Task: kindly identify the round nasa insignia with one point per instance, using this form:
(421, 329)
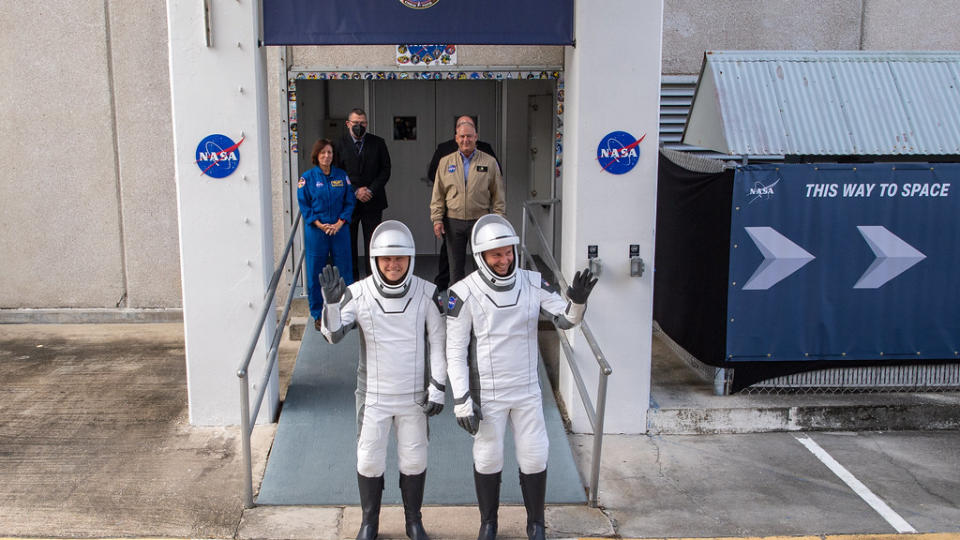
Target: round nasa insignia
(451, 168)
(618, 152)
(419, 4)
(218, 156)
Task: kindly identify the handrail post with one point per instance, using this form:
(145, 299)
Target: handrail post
(595, 414)
(598, 439)
(245, 438)
(243, 374)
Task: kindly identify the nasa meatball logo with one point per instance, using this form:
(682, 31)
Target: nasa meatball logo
(419, 4)
(619, 152)
(218, 156)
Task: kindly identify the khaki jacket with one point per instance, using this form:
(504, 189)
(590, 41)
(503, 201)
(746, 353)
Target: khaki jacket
(484, 193)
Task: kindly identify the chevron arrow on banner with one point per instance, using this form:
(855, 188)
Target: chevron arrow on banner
(781, 257)
(894, 256)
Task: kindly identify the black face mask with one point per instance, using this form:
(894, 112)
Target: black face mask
(358, 130)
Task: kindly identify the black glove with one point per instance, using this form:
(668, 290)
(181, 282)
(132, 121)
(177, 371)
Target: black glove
(471, 423)
(332, 284)
(580, 288)
(432, 408)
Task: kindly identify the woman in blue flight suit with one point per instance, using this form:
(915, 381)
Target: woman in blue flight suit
(326, 200)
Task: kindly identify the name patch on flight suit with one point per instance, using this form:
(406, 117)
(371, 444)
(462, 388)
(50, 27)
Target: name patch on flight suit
(336, 183)
(481, 168)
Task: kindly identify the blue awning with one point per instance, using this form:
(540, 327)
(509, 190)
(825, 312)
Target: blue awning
(391, 22)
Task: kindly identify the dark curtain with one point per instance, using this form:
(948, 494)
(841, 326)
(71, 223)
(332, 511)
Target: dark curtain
(692, 258)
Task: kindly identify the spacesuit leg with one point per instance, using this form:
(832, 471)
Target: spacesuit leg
(372, 440)
(532, 444)
(530, 433)
(488, 442)
(411, 426)
(488, 464)
(411, 439)
(374, 425)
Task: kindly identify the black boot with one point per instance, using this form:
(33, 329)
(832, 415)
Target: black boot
(411, 489)
(371, 492)
(534, 489)
(488, 499)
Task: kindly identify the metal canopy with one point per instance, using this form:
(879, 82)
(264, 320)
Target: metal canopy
(827, 103)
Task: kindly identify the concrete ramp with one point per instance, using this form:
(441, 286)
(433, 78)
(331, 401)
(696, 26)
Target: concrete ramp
(313, 460)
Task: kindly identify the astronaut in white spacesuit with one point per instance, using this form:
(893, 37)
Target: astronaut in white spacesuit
(402, 372)
(492, 317)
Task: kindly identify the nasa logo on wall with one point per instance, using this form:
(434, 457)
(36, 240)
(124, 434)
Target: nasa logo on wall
(618, 152)
(419, 4)
(218, 156)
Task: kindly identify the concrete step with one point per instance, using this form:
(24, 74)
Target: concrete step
(860, 412)
(300, 307)
(299, 318)
(296, 327)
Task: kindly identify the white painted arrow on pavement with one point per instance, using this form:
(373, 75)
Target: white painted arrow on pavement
(894, 256)
(781, 257)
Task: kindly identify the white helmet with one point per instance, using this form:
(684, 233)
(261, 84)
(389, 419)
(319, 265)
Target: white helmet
(490, 232)
(391, 238)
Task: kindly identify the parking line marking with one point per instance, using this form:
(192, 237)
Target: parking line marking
(857, 486)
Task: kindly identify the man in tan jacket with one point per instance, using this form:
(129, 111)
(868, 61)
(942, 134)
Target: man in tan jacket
(468, 185)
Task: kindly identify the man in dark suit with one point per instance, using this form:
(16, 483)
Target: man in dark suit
(365, 158)
(442, 280)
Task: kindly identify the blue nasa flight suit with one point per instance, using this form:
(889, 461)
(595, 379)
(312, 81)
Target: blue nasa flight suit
(326, 198)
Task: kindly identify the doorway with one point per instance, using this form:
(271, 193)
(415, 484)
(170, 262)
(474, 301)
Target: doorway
(517, 117)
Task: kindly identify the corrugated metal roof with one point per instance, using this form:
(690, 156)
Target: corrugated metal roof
(827, 103)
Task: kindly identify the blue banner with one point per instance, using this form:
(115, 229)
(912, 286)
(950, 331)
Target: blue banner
(373, 22)
(844, 262)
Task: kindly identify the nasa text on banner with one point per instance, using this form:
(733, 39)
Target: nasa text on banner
(843, 262)
(389, 22)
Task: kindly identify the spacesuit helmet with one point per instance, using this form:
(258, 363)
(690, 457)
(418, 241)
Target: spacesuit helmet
(490, 232)
(391, 238)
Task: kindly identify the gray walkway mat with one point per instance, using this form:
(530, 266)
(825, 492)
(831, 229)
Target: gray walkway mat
(314, 457)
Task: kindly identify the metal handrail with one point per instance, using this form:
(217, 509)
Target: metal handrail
(246, 427)
(595, 416)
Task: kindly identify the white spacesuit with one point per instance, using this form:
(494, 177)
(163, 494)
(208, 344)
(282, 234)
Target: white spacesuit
(401, 328)
(492, 317)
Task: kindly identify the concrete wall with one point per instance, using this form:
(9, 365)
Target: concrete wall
(141, 88)
(920, 25)
(88, 216)
(692, 26)
(60, 239)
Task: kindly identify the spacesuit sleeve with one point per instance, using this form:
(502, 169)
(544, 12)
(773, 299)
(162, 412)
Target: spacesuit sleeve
(459, 326)
(437, 337)
(338, 319)
(562, 312)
